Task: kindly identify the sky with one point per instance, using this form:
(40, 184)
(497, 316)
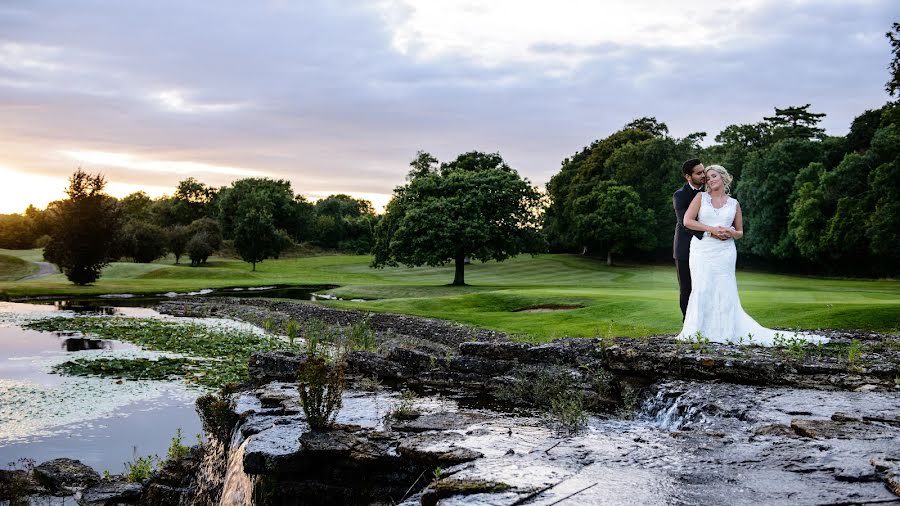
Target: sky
(338, 96)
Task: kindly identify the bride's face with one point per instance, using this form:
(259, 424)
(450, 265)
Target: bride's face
(713, 180)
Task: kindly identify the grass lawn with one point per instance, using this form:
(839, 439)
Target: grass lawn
(13, 267)
(629, 301)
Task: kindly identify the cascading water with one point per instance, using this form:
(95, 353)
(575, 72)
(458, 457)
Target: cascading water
(237, 489)
(672, 410)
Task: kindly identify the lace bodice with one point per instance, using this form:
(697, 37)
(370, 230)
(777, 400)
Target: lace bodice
(709, 215)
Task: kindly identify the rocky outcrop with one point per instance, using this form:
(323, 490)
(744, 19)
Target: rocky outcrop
(65, 476)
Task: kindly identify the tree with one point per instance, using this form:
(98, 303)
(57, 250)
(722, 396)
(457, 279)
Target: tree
(256, 237)
(210, 228)
(476, 208)
(892, 87)
(765, 195)
(144, 242)
(177, 238)
(192, 201)
(199, 249)
(344, 222)
(795, 122)
(84, 228)
(16, 232)
(422, 165)
(649, 125)
(612, 219)
(293, 214)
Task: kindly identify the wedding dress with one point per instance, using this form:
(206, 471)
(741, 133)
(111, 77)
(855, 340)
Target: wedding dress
(714, 308)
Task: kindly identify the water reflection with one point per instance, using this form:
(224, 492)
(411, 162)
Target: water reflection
(82, 344)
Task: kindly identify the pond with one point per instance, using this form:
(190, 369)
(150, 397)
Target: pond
(124, 304)
(104, 422)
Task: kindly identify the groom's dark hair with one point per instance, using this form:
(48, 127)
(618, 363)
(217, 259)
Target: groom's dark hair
(688, 167)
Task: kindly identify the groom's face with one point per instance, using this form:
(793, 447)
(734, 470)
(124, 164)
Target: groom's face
(698, 176)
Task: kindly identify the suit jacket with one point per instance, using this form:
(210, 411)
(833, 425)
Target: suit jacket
(681, 200)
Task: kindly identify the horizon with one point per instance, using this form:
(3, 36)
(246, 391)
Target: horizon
(338, 99)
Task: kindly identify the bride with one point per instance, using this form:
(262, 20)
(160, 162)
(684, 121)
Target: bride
(714, 309)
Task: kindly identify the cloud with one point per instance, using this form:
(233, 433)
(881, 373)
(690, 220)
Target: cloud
(338, 96)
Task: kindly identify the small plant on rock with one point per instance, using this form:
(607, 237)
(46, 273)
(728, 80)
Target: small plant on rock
(217, 416)
(320, 386)
(177, 450)
(854, 352)
(362, 336)
(293, 330)
(405, 408)
(140, 469)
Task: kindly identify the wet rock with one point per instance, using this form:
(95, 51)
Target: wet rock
(844, 417)
(774, 429)
(18, 483)
(173, 483)
(273, 449)
(65, 475)
(450, 487)
(110, 493)
(857, 473)
(274, 366)
(439, 422)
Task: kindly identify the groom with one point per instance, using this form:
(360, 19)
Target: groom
(695, 177)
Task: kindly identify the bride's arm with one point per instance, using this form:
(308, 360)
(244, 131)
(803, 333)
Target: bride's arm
(738, 231)
(690, 217)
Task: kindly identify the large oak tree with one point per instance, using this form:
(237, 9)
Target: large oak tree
(475, 207)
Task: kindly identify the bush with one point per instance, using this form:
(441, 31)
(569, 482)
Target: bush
(217, 416)
(199, 249)
(320, 385)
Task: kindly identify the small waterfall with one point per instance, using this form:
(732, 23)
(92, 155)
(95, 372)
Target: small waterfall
(238, 485)
(210, 476)
(672, 410)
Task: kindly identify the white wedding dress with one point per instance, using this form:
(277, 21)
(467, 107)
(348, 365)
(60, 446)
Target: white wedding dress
(714, 308)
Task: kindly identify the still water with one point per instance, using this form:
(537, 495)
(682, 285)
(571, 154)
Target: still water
(103, 422)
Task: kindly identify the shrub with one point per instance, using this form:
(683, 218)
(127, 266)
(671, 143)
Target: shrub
(217, 416)
(320, 385)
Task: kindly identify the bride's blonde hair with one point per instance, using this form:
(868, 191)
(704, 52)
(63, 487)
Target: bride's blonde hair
(726, 177)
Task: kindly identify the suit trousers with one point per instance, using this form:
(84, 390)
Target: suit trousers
(683, 268)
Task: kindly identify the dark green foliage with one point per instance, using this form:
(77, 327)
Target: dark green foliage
(84, 229)
(320, 386)
(765, 194)
(892, 87)
(217, 416)
(275, 197)
(344, 223)
(177, 238)
(210, 227)
(476, 207)
(142, 241)
(796, 122)
(16, 232)
(193, 200)
(640, 156)
(863, 129)
(256, 238)
(198, 248)
(612, 220)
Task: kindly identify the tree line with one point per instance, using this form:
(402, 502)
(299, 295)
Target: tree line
(255, 218)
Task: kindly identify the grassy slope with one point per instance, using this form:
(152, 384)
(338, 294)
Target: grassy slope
(619, 300)
(13, 268)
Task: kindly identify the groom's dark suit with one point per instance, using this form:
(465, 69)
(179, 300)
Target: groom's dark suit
(681, 247)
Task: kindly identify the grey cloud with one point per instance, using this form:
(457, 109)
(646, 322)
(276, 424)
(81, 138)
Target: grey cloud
(327, 103)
